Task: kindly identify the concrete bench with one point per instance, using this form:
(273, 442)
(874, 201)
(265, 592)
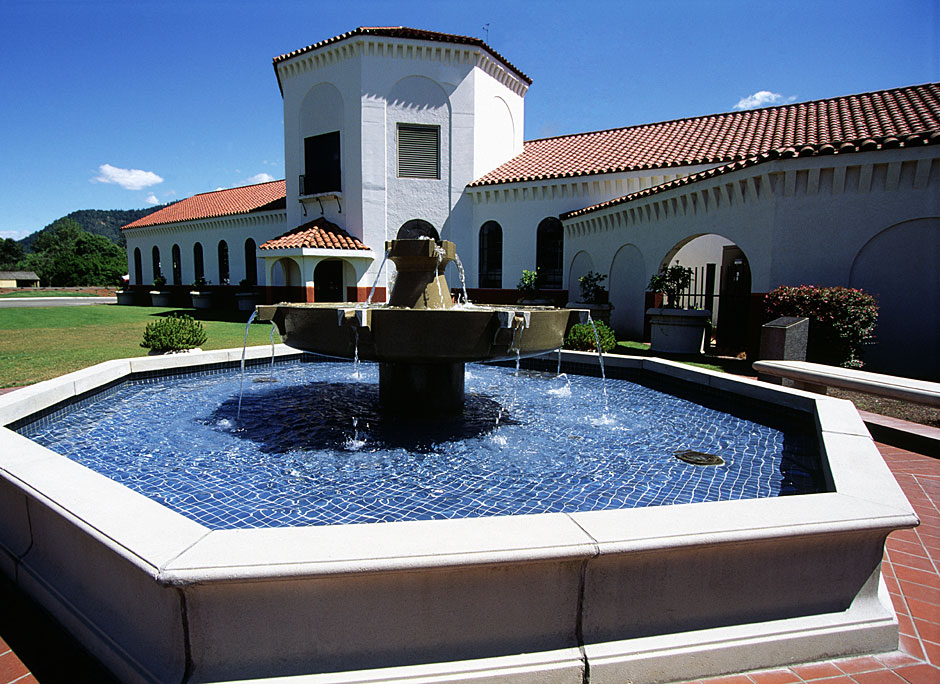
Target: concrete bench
(816, 377)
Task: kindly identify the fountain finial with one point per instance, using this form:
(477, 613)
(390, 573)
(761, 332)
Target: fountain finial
(420, 281)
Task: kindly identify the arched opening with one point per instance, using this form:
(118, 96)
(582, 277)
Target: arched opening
(177, 266)
(138, 267)
(899, 267)
(199, 269)
(627, 285)
(416, 229)
(491, 255)
(580, 265)
(721, 283)
(328, 281)
(549, 252)
(251, 262)
(155, 261)
(223, 263)
(285, 273)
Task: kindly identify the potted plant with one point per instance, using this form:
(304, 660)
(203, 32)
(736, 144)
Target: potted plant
(246, 299)
(674, 330)
(125, 296)
(159, 296)
(594, 297)
(202, 297)
(530, 288)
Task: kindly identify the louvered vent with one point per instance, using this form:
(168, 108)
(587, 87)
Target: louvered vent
(419, 151)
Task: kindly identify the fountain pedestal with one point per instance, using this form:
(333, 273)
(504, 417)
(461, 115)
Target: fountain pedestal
(420, 388)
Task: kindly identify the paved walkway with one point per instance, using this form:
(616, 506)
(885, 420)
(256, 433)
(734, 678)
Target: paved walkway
(33, 649)
(31, 302)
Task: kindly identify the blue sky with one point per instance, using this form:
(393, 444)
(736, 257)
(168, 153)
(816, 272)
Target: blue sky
(115, 104)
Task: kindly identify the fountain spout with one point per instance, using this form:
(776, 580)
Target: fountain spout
(420, 283)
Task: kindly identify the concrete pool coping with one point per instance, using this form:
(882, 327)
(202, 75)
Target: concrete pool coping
(158, 597)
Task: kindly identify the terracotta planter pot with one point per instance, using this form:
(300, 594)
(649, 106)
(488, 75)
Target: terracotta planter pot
(201, 300)
(160, 298)
(678, 331)
(125, 298)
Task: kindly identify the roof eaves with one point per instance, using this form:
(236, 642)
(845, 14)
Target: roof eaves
(847, 147)
(403, 32)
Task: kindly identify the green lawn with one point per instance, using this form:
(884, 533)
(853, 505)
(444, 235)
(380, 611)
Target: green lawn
(41, 343)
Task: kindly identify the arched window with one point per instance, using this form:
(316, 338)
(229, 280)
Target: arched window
(549, 252)
(491, 255)
(177, 266)
(417, 228)
(199, 270)
(223, 262)
(155, 258)
(251, 262)
(138, 267)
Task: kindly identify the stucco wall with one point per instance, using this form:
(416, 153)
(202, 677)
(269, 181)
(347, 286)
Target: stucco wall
(235, 230)
(855, 219)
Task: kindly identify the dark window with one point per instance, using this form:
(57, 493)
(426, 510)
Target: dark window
(491, 255)
(223, 263)
(199, 271)
(328, 281)
(419, 151)
(138, 267)
(321, 164)
(177, 266)
(549, 252)
(155, 258)
(251, 262)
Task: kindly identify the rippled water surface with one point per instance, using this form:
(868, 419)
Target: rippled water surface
(311, 448)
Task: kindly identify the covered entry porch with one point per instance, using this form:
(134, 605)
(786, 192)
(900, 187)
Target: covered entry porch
(316, 262)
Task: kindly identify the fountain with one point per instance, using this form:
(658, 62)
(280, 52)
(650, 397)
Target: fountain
(644, 594)
(420, 339)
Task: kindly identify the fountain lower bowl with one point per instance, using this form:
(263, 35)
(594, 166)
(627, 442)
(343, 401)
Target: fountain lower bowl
(645, 595)
(401, 335)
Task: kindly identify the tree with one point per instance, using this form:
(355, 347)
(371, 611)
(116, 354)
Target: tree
(11, 254)
(64, 255)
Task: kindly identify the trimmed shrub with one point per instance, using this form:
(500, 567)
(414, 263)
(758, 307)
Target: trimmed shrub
(176, 332)
(841, 320)
(581, 337)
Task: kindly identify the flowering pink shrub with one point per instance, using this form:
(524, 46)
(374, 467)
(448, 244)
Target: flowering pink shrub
(840, 320)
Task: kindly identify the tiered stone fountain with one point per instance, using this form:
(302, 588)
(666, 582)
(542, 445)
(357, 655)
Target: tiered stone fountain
(421, 339)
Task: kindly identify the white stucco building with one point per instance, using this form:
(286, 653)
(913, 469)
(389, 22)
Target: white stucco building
(385, 127)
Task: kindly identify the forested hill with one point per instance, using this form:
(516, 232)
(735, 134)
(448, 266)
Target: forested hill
(106, 222)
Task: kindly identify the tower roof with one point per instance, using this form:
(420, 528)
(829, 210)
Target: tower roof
(409, 34)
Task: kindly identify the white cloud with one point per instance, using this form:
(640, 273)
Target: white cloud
(762, 98)
(129, 179)
(152, 199)
(15, 234)
(259, 178)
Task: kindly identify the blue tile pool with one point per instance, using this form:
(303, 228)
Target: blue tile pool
(311, 448)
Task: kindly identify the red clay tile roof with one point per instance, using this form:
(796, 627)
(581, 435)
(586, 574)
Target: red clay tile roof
(260, 197)
(733, 136)
(408, 33)
(318, 233)
(866, 145)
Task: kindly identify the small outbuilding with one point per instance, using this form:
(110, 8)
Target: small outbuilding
(18, 279)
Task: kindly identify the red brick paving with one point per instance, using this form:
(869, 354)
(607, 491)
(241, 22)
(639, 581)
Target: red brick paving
(911, 568)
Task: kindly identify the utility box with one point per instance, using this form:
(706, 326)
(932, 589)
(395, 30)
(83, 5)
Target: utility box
(783, 339)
